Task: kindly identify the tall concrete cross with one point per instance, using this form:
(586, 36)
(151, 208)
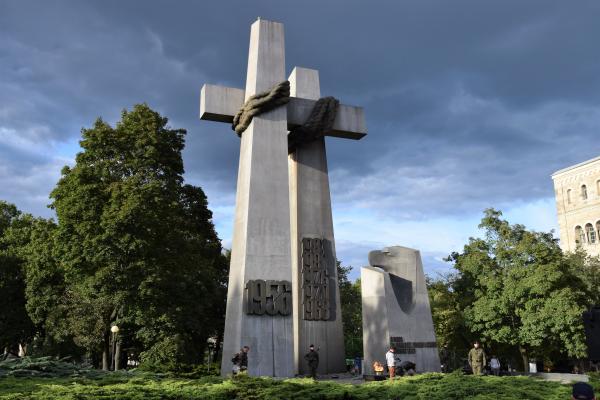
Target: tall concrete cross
(264, 300)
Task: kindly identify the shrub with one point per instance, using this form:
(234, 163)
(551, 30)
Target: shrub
(148, 386)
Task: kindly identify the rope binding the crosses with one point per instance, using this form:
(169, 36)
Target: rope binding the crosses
(321, 118)
(260, 103)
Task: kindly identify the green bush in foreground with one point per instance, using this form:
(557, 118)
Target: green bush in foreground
(150, 387)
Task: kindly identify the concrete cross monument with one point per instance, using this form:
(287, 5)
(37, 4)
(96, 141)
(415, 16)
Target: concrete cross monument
(283, 293)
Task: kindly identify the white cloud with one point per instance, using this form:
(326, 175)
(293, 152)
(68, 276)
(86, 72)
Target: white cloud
(360, 231)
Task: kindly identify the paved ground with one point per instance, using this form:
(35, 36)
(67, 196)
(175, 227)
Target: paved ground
(562, 378)
(343, 378)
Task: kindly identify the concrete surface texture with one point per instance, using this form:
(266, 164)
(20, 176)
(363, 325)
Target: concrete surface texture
(577, 192)
(396, 310)
(261, 236)
(310, 210)
(274, 198)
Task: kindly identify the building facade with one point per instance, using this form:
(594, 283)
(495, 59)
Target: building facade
(577, 191)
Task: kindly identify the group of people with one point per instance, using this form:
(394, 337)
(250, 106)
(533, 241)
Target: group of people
(477, 361)
(396, 366)
(240, 361)
(476, 357)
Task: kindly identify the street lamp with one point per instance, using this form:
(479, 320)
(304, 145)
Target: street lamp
(211, 345)
(114, 329)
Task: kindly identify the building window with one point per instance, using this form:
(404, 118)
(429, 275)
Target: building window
(584, 192)
(598, 230)
(591, 233)
(569, 196)
(598, 187)
(579, 235)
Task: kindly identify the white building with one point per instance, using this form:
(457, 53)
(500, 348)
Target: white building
(577, 191)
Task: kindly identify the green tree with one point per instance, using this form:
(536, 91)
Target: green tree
(522, 290)
(32, 240)
(351, 304)
(45, 288)
(137, 245)
(15, 325)
(588, 269)
(447, 309)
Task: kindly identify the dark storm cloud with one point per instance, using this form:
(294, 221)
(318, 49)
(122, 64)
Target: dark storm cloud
(469, 104)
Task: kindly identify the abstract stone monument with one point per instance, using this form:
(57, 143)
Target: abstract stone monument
(395, 310)
(283, 293)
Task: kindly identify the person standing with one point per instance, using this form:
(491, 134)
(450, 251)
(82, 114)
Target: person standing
(391, 361)
(495, 365)
(476, 359)
(313, 361)
(240, 361)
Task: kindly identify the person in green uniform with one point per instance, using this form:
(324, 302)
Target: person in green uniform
(476, 359)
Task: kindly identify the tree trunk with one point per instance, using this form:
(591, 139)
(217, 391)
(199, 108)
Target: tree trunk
(106, 352)
(105, 359)
(525, 358)
(117, 355)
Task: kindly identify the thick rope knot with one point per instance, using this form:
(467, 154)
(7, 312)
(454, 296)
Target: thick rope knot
(320, 121)
(260, 103)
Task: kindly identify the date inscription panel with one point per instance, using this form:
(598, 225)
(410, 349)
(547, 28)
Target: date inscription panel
(268, 297)
(316, 281)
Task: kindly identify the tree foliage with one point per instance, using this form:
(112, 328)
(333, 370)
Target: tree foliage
(351, 304)
(516, 288)
(15, 325)
(588, 269)
(447, 308)
(136, 244)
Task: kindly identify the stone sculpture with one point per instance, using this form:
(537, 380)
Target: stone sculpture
(395, 310)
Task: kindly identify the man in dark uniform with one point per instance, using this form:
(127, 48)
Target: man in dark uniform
(313, 361)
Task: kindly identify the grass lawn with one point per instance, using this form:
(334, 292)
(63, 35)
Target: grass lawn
(150, 387)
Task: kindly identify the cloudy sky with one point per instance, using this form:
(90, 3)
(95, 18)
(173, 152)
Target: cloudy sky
(469, 104)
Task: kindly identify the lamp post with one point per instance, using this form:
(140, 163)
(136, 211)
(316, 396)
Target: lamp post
(211, 345)
(114, 329)
(209, 359)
